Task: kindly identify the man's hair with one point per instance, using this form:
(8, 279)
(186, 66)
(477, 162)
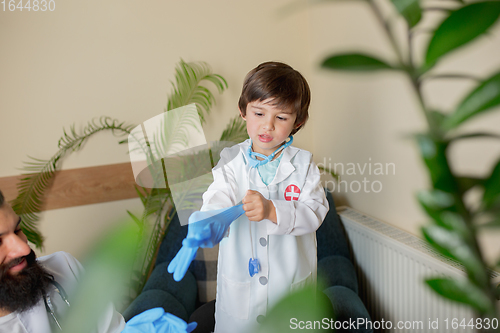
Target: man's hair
(2, 199)
(285, 86)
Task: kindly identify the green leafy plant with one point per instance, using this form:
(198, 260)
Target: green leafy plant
(454, 226)
(107, 270)
(299, 310)
(40, 173)
(187, 89)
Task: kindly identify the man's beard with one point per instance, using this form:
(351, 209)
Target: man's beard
(24, 290)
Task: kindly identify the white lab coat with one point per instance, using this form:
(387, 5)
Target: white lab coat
(286, 250)
(66, 271)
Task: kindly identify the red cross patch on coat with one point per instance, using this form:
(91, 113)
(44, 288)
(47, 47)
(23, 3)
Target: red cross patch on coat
(292, 192)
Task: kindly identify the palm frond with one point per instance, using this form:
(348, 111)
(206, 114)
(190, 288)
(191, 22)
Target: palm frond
(175, 130)
(188, 89)
(192, 192)
(159, 203)
(40, 173)
(236, 131)
(155, 201)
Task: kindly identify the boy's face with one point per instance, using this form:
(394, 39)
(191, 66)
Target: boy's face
(267, 126)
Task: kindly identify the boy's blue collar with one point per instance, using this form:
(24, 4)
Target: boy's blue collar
(252, 156)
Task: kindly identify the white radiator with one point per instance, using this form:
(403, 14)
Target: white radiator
(391, 266)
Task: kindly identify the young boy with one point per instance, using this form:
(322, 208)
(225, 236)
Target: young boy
(271, 250)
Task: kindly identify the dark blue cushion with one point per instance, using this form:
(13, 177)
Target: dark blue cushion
(331, 235)
(172, 242)
(348, 306)
(185, 291)
(154, 298)
(337, 271)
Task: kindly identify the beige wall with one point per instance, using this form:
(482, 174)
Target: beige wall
(363, 118)
(115, 58)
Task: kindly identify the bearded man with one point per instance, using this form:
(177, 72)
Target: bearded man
(34, 292)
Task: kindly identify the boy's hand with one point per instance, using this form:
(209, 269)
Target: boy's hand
(258, 208)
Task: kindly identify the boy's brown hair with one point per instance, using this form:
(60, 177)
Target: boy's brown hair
(285, 86)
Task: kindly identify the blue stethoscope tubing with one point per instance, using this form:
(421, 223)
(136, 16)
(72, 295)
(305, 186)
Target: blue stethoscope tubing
(253, 263)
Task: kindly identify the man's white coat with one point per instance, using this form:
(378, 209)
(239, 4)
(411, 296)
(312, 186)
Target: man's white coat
(66, 270)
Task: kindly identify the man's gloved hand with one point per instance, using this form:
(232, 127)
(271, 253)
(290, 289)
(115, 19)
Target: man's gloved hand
(205, 229)
(156, 320)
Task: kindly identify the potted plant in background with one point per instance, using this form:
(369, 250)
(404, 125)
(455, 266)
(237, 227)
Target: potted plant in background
(453, 225)
(188, 88)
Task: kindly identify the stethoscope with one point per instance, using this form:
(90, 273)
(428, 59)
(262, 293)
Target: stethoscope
(48, 302)
(253, 263)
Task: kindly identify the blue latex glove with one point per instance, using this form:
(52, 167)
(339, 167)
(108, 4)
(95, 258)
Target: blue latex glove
(180, 264)
(156, 320)
(205, 229)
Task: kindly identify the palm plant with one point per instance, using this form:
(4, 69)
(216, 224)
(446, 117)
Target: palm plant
(187, 89)
(454, 225)
(39, 173)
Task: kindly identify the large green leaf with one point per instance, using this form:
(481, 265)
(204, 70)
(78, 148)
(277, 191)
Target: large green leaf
(436, 119)
(295, 312)
(461, 27)
(355, 62)
(410, 9)
(484, 98)
(476, 135)
(433, 152)
(436, 199)
(491, 196)
(451, 243)
(461, 291)
(466, 183)
(108, 270)
(434, 202)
